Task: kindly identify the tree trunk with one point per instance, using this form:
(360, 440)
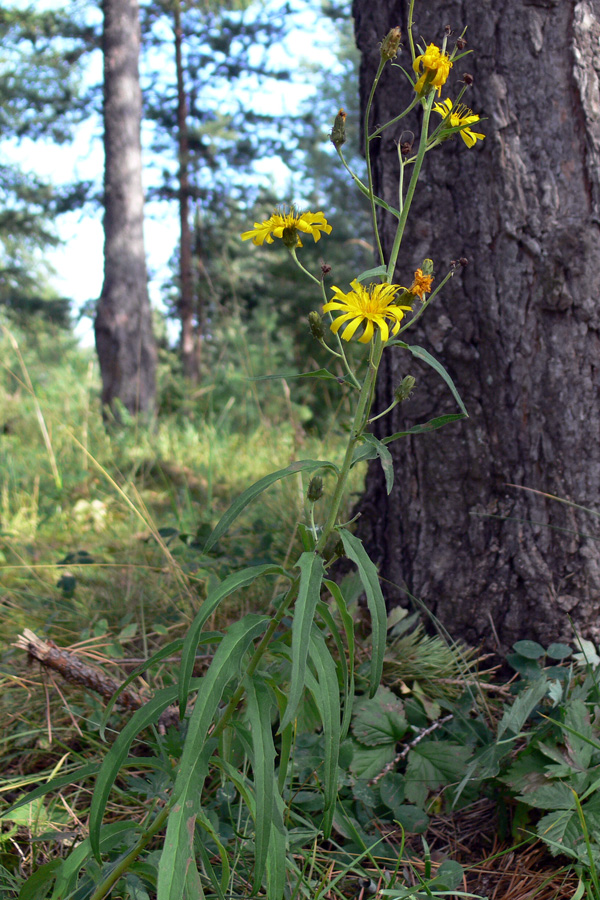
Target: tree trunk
(189, 336)
(124, 338)
(518, 331)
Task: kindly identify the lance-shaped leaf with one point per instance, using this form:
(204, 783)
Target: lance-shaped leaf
(178, 852)
(425, 356)
(260, 704)
(228, 586)
(326, 691)
(370, 580)
(311, 577)
(371, 448)
(251, 493)
(348, 625)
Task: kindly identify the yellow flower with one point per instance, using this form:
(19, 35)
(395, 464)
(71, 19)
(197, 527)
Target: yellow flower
(421, 284)
(286, 226)
(371, 306)
(434, 67)
(460, 117)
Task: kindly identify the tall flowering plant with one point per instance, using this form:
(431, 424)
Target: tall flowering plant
(267, 667)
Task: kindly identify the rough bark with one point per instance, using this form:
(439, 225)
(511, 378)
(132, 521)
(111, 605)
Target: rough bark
(124, 338)
(518, 331)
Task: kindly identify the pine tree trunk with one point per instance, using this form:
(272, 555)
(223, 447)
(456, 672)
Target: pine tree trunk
(124, 338)
(518, 331)
(189, 336)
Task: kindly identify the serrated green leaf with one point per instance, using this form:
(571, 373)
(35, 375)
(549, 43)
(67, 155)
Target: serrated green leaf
(309, 592)
(368, 762)
(431, 765)
(370, 580)
(228, 586)
(254, 491)
(379, 719)
(411, 818)
(515, 717)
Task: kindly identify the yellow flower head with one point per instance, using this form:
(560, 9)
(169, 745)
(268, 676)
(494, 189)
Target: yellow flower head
(369, 306)
(421, 284)
(286, 226)
(433, 66)
(460, 117)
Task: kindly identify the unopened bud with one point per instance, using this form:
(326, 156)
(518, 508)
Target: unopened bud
(338, 132)
(461, 43)
(467, 78)
(448, 29)
(427, 267)
(390, 44)
(404, 389)
(315, 323)
(315, 489)
(464, 261)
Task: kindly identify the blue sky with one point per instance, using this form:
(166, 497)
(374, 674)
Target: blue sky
(78, 262)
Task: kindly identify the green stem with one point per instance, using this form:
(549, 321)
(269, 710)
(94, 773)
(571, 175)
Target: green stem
(363, 188)
(411, 22)
(393, 121)
(382, 63)
(300, 266)
(361, 415)
(427, 302)
(411, 188)
(119, 870)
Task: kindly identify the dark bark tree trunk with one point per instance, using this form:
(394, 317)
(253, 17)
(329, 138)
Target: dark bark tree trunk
(124, 337)
(518, 331)
(187, 314)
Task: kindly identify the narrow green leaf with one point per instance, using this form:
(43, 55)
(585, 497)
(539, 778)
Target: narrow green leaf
(348, 625)
(325, 374)
(370, 580)
(325, 689)
(116, 756)
(169, 650)
(228, 586)
(251, 493)
(377, 272)
(425, 356)
(278, 853)
(263, 766)
(311, 576)
(341, 662)
(385, 457)
(110, 836)
(75, 775)
(426, 427)
(178, 850)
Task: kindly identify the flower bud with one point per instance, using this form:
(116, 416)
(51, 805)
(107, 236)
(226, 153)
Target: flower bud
(390, 44)
(404, 389)
(467, 78)
(338, 132)
(315, 323)
(315, 489)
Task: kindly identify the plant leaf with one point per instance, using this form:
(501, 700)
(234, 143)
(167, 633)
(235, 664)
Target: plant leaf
(311, 576)
(229, 585)
(326, 691)
(251, 493)
(370, 580)
(385, 458)
(178, 851)
(425, 356)
(379, 720)
(348, 625)
(263, 766)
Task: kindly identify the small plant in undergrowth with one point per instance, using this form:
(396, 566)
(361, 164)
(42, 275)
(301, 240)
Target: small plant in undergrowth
(234, 796)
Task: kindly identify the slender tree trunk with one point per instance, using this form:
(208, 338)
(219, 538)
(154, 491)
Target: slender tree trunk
(124, 338)
(519, 331)
(189, 337)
